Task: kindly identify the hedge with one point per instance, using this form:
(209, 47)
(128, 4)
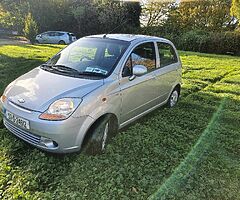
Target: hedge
(201, 41)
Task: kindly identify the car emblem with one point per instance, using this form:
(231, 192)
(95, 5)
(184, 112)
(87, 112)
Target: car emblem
(21, 100)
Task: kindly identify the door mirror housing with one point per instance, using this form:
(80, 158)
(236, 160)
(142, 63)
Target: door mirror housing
(139, 70)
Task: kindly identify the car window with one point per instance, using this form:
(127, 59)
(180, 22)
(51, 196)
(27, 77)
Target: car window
(167, 54)
(91, 55)
(51, 34)
(127, 69)
(82, 54)
(59, 34)
(144, 54)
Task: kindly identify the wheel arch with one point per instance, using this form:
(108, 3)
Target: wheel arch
(178, 87)
(88, 133)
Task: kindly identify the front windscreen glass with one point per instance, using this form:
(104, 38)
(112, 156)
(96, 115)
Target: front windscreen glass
(89, 56)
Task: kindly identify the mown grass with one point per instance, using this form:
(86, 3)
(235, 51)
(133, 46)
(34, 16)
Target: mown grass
(144, 157)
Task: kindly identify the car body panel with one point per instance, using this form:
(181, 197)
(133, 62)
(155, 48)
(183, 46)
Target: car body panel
(40, 88)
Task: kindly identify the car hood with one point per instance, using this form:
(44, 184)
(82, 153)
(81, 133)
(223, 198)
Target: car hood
(37, 89)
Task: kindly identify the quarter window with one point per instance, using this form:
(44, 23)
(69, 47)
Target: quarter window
(167, 54)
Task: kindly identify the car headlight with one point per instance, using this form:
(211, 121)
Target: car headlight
(61, 109)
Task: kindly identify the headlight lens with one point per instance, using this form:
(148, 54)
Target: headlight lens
(61, 109)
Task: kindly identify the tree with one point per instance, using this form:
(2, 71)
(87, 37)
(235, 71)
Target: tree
(5, 18)
(154, 13)
(15, 11)
(30, 28)
(205, 15)
(235, 9)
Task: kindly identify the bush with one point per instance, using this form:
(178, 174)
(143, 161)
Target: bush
(201, 41)
(30, 29)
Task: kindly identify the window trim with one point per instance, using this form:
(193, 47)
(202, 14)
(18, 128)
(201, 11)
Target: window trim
(176, 55)
(130, 53)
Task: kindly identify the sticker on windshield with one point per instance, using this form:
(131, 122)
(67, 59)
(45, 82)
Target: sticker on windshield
(89, 69)
(96, 70)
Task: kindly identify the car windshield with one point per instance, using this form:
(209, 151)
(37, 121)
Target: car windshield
(90, 56)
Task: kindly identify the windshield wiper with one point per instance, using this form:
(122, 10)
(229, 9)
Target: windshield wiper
(69, 70)
(60, 68)
(63, 68)
(46, 66)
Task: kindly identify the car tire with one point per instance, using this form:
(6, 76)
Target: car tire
(61, 42)
(174, 97)
(99, 135)
(1, 123)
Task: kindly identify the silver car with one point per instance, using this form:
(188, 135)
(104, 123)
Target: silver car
(84, 94)
(55, 37)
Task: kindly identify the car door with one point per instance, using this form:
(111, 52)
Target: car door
(138, 94)
(167, 69)
(52, 38)
(44, 38)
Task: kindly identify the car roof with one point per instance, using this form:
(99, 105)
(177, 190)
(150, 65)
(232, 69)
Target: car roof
(56, 32)
(127, 37)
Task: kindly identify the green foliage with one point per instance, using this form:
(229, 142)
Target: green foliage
(83, 17)
(15, 14)
(205, 15)
(201, 41)
(235, 9)
(31, 29)
(154, 13)
(213, 42)
(142, 157)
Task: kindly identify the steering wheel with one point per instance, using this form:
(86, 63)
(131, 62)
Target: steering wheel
(85, 58)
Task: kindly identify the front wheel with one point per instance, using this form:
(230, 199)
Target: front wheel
(61, 42)
(99, 135)
(174, 97)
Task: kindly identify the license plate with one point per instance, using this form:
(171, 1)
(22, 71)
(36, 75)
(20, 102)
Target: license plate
(23, 123)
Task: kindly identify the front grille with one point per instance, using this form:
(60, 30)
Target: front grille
(28, 137)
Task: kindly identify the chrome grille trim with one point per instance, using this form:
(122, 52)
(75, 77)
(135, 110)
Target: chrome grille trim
(26, 136)
(20, 107)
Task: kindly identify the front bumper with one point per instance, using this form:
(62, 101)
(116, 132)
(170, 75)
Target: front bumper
(53, 136)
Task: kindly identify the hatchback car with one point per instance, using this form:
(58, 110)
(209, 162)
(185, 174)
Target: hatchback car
(86, 92)
(55, 37)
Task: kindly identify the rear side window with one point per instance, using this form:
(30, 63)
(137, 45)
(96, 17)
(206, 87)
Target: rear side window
(167, 54)
(59, 34)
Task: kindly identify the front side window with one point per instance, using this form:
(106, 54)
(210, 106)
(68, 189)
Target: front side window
(91, 56)
(167, 54)
(51, 34)
(144, 54)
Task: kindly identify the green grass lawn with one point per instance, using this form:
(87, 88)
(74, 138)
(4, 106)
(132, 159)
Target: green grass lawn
(189, 152)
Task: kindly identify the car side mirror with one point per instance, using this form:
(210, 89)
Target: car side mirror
(138, 70)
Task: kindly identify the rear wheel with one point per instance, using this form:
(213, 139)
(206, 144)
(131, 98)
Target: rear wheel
(99, 135)
(174, 97)
(61, 42)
